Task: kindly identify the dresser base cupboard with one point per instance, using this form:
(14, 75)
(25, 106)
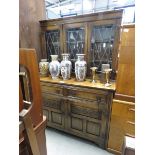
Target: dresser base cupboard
(81, 110)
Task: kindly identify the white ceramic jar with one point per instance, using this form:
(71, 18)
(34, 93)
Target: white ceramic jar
(43, 67)
(66, 67)
(80, 67)
(54, 67)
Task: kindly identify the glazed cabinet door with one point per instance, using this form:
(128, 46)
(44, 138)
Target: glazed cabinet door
(75, 39)
(103, 39)
(51, 41)
(53, 109)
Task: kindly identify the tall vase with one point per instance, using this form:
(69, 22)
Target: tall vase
(80, 68)
(66, 67)
(54, 67)
(43, 67)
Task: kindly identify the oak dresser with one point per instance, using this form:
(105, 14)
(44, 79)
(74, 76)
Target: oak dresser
(79, 108)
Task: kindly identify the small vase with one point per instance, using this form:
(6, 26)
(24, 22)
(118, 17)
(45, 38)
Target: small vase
(43, 67)
(66, 67)
(54, 67)
(80, 68)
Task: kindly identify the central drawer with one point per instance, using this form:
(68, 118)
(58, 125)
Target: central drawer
(86, 94)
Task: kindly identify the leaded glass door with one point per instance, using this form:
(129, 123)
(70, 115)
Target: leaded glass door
(75, 40)
(54, 44)
(102, 44)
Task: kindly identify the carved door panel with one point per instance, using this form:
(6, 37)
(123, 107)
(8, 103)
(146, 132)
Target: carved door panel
(102, 43)
(53, 108)
(52, 37)
(75, 39)
(83, 120)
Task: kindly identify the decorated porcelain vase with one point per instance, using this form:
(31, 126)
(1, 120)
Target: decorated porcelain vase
(54, 67)
(80, 67)
(43, 67)
(66, 67)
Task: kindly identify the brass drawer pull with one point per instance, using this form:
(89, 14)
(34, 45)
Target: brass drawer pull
(132, 123)
(127, 134)
(131, 109)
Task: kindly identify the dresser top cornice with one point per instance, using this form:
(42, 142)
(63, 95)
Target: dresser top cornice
(86, 84)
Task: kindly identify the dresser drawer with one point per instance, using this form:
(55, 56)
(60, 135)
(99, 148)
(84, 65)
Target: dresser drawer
(52, 101)
(52, 88)
(124, 109)
(86, 94)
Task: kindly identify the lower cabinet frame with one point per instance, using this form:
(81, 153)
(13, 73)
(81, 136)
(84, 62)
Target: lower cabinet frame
(88, 119)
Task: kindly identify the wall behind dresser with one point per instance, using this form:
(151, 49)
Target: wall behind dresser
(30, 12)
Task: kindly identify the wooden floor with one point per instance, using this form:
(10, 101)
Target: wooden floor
(60, 143)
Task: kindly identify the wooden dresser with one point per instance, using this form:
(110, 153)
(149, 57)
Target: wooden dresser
(80, 108)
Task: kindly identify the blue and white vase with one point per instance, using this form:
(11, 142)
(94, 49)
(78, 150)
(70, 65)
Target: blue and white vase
(66, 67)
(80, 67)
(54, 67)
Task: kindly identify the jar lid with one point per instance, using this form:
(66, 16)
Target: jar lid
(43, 60)
(65, 54)
(80, 54)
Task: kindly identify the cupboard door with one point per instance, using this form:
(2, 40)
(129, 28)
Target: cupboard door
(53, 108)
(75, 40)
(102, 43)
(86, 122)
(53, 39)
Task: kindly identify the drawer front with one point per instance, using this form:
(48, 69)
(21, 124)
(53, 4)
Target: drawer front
(87, 94)
(123, 109)
(53, 102)
(52, 89)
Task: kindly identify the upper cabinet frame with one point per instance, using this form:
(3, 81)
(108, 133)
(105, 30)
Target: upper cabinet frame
(85, 24)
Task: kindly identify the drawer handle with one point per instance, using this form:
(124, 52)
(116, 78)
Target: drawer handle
(98, 98)
(131, 109)
(127, 134)
(72, 93)
(129, 122)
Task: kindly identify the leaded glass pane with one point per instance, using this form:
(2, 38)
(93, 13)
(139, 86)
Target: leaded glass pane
(52, 43)
(75, 43)
(102, 43)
